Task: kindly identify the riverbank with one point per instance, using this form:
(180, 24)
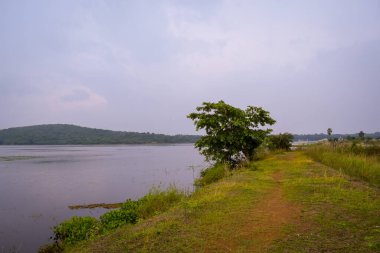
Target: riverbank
(286, 202)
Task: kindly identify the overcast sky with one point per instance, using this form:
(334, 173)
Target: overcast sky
(144, 65)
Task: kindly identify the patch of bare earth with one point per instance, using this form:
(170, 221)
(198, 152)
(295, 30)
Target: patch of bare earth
(269, 217)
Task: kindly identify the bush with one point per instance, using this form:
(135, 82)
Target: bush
(131, 205)
(211, 174)
(280, 141)
(76, 229)
(117, 218)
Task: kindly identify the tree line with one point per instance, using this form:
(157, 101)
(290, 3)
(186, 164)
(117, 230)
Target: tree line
(63, 134)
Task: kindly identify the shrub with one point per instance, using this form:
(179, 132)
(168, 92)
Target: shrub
(76, 229)
(117, 218)
(131, 205)
(280, 141)
(211, 174)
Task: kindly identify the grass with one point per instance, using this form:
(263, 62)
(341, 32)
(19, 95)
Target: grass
(284, 203)
(212, 174)
(357, 161)
(77, 229)
(338, 214)
(197, 224)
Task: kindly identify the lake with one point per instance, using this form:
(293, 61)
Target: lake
(38, 186)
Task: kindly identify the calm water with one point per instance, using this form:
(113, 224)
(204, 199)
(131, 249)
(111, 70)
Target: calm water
(35, 193)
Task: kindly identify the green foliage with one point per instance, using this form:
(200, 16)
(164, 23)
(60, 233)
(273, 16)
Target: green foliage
(280, 141)
(232, 134)
(61, 134)
(211, 174)
(157, 201)
(76, 229)
(117, 218)
(130, 205)
(82, 228)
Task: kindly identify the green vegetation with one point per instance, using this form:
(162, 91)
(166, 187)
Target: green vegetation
(280, 141)
(287, 203)
(361, 160)
(157, 201)
(316, 137)
(337, 214)
(76, 229)
(232, 134)
(79, 229)
(212, 174)
(61, 134)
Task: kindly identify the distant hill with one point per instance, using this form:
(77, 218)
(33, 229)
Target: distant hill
(63, 134)
(317, 137)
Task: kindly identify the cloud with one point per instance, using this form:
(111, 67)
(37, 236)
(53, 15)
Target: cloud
(253, 37)
(77, 98)
(90, 62)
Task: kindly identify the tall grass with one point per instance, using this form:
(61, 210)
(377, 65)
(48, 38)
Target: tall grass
(157, 201)
(212, 174)
(357, 161)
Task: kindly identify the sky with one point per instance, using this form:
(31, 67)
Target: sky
(144, 65)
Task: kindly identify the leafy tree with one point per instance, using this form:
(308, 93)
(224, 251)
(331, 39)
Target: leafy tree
(329, 132)
(361, 135)
(280, 141)
(232, 134)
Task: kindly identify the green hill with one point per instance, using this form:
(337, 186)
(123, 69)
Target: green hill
(63, 134)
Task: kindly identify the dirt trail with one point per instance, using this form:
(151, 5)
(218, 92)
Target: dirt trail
(269, 216)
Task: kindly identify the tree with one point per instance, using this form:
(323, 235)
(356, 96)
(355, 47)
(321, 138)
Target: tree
(280, 141)
(232, 134)
(329, 132)
(361, 135)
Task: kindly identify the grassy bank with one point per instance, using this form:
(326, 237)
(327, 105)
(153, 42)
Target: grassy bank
(338, 213)
(285, 203)
(361, 161)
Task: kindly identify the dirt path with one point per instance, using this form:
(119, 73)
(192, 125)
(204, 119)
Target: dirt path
(269, 216)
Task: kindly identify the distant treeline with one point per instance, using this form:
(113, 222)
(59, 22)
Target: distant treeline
(317, 137)
(62, 134)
